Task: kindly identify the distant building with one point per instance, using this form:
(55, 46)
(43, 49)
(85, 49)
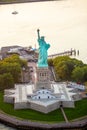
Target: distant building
(23, 52)
(5, 50)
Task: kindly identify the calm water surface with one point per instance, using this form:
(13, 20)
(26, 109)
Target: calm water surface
(4, 127)
(63, 23)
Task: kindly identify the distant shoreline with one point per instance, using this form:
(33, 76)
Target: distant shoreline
(23, 1)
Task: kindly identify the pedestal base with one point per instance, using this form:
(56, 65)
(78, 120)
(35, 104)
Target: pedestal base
(43, 79)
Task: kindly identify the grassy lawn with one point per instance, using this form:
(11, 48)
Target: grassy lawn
(80, 110)
(55, 116)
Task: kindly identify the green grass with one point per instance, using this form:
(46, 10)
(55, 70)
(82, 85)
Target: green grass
(80, 110)
(55, 116)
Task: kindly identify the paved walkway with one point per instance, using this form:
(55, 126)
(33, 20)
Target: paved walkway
(29, 125)
(64, 115)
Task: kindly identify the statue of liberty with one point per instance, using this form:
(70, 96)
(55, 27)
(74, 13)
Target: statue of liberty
(43, 47)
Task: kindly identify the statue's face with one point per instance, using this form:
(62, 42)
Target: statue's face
(42, 38)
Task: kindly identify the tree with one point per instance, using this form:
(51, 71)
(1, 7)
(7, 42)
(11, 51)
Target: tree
(63, 67)
(78, 74)
(13, 68)
(77, 62)
(6, 81)
(50, 62)
(15, 59)
(15, 71)
(85, 73)
(13, 65)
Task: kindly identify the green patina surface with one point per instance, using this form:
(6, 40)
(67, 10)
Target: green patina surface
(43, 47)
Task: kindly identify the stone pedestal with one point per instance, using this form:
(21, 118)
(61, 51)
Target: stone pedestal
(43, 79)
(42, 74)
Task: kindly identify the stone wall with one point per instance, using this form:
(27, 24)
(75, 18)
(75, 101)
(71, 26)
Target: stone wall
(44, 109)
(68, 104)
(8, 99)
(77, 97)
(20, 105)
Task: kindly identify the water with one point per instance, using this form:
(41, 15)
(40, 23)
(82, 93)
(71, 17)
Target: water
(4, 127)
(63, 23)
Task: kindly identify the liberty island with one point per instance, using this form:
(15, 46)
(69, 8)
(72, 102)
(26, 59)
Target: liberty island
(43, 95)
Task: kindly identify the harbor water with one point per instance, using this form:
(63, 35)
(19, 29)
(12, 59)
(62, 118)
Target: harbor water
(4, 127)
(62, 22)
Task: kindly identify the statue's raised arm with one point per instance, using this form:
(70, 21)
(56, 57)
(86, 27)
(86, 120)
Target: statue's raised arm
(38, 33)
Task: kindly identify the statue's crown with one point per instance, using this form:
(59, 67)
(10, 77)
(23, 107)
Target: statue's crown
(42, 37)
